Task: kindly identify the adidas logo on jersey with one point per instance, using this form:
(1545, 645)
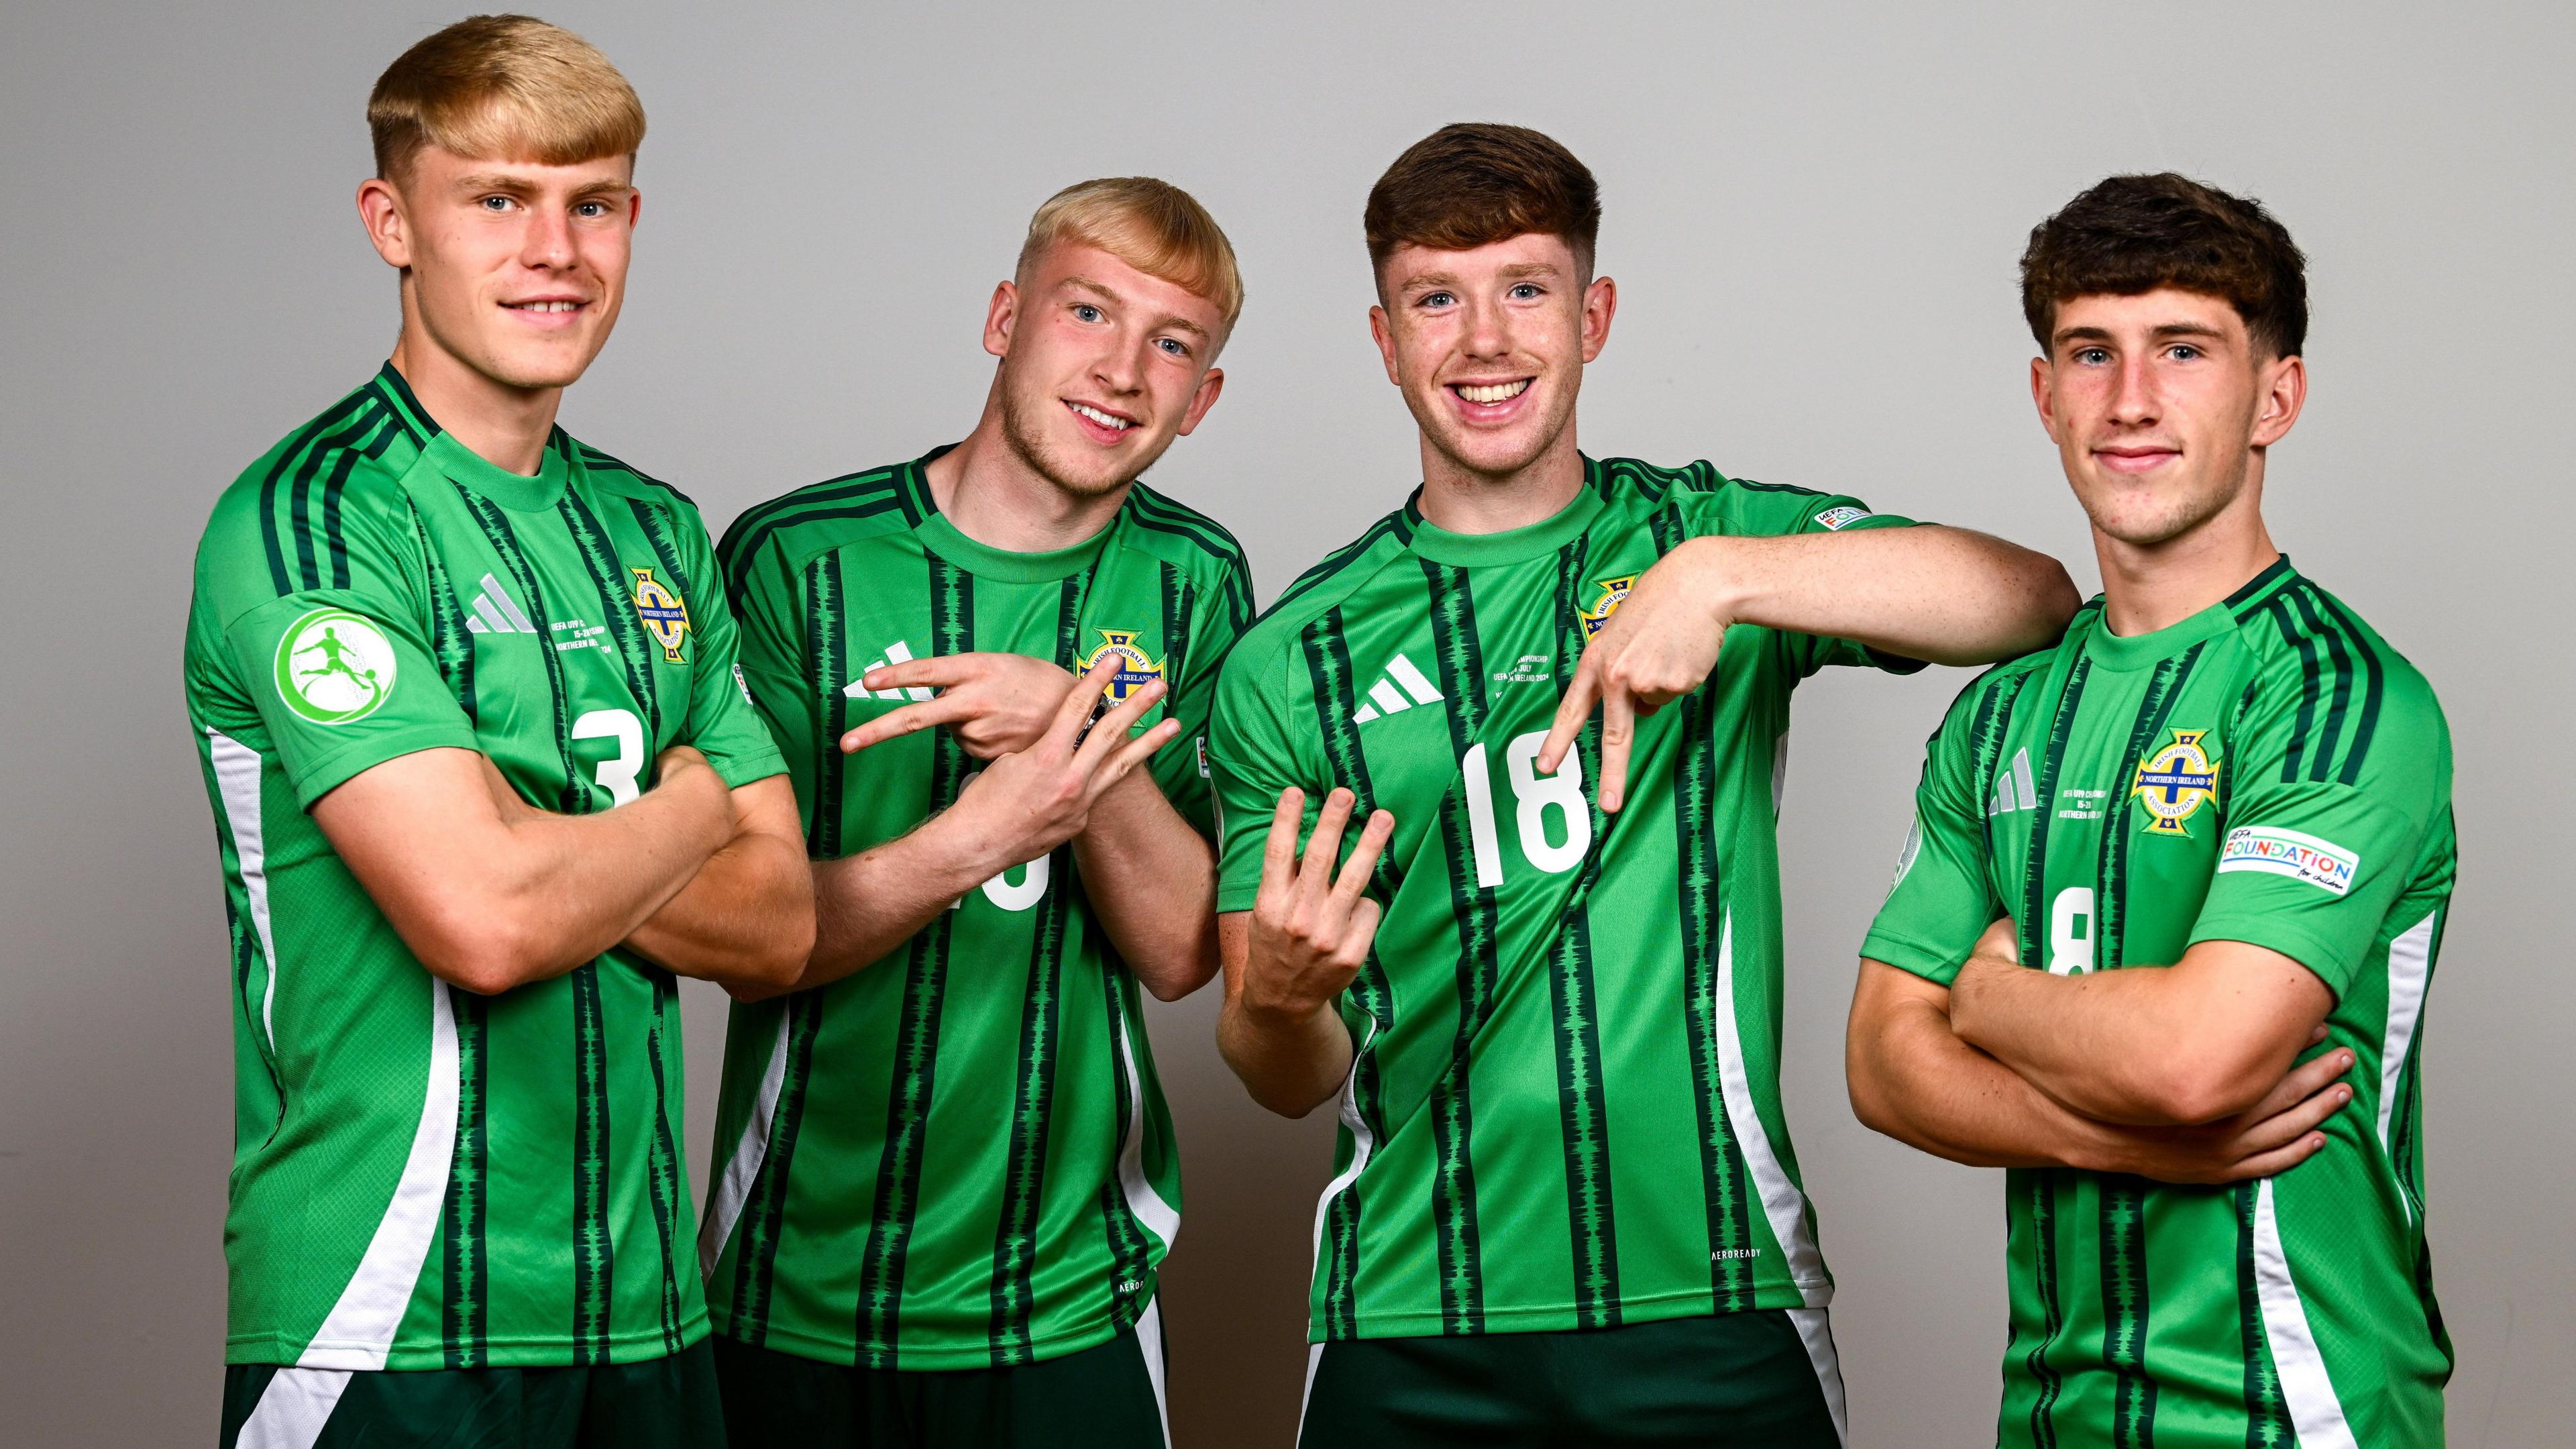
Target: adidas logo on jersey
(895, 653)
(495, 614)
(1399, 689)
(2013, 788)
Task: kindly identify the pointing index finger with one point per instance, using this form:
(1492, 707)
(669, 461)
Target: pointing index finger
(1571, 713)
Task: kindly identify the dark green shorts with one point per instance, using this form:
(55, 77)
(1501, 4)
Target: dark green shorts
(1758, 1380)
(1109, 1397)
(661, 1403)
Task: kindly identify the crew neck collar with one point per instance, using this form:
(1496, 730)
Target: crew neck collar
(516, 491)
(1512, 545)
(2137, 651)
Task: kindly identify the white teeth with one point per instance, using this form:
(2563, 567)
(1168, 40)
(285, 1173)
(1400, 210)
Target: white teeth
(545, 306)
(1494, 393)
(1104, 419)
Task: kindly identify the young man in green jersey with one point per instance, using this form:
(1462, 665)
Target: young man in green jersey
(484, 779)
(1567, 1211)
(947, 1172)
(2224, 784)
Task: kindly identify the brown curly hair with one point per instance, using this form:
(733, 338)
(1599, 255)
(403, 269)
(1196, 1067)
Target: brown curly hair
(2131, 234)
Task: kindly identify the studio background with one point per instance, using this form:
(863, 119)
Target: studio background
(1813, 215)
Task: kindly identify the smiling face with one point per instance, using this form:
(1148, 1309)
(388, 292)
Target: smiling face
(1488, 345)
(515, 269)
(1102, 367)
(2161, 406)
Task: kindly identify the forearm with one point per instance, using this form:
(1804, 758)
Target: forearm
(1291, 1062)
(1151, 880)
(746, 918)
(868, 905)
(554, 891)
(1912, 1078)
(1947, 595)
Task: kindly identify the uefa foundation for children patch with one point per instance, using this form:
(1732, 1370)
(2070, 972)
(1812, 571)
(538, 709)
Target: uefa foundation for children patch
(1842, 517)
(334, 666)
(2321, 863)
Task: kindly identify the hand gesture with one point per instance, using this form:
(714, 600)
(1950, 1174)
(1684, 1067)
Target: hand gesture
(1658, 647)
(1030, 801)
(998, 703)
(1311, 929)
(2275, 1135)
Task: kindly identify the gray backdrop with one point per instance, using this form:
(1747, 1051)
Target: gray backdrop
(1813, 217)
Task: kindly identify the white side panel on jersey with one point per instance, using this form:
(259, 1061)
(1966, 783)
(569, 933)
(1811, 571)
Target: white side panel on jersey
(293, 1409)
(1817, 1333)
(2314, 1410)
(359, 1330)
(742, 1166)
(1149, 1343)
(1782, 1203)
(2410, 968)
(237, 772)
(1157, 1216)
(1362, 1144)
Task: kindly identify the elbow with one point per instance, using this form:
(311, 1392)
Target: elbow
(485, 952)
(1191, 973)
(2188, 1089)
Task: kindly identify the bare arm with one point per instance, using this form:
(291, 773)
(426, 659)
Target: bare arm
(1912, 1078)
(2203, 1039)
(1151, 879)
(1287, 958)
(1943, 594)
(747, 916)
(1015, 810)
(491, 895)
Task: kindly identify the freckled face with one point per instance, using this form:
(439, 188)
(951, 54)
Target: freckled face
(1102, 367)
(1488, 345)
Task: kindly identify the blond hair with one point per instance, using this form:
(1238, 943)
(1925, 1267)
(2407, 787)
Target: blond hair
(1151, 225)
(503, 87)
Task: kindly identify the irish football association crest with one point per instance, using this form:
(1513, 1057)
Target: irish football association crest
(2175, 781)
(1613, 591)
(1135, 668)
(665, 617)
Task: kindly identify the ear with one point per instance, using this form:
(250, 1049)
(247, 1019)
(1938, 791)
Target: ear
(2043, 395)
(2285, 391)
(1202, 400)
(1600, 303)
(380, 211)
(999, 317)
(1382, 332)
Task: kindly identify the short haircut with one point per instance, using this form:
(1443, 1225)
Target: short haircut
(2133, 234)
(503, 88)
(1151, 225)
(1473, 183)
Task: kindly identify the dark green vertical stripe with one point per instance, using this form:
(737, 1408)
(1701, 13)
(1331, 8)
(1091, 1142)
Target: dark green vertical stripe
(1024, 1164)
(1453, 1185)
(617, 606)
(1335, 691)
(2309, 687)
(380, 430)
(898, 1177)
(272, 537)
(574, 798)
(2299, 601)
(655, 522)
(2044, 1181)
(2267, 1412)
(1581, 1090)
(450, 639)
(1179, 598)
(827, 654)
(764, 1214)
(2374, 685)
(300, 496)
(662, 1172)
(1129, 1254)
(593, 1249)
(466, 1267)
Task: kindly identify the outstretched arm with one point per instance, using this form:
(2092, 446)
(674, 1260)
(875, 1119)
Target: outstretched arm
(1912, 1078)
(747, 917)
(2197, 1041)
(1946, 595)
(491, 893)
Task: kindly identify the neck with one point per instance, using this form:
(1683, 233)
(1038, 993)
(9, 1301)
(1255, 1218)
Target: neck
(1463, 500)
(505, 426)
(2146, 587)
(994, 497)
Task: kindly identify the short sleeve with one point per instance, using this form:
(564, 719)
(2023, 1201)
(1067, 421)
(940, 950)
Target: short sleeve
(1251, 759)
(1182, 769)
(723, 724)
(344, 680)
(769, 668)
(1943, 897)
(1807, 653)
(2311, 862)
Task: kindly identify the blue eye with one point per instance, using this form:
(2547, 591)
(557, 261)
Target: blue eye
(2184, 352)
(496, 203)
(591, 208)
(2092, 354)
(1526, 291)
(1435, 299)
(1171, 346)
(1085, 312)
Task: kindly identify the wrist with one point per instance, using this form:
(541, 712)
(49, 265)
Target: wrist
(1280, 1013)
(955, 852)
(1716, 578)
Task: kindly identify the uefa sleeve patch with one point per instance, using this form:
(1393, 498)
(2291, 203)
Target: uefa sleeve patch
(334, 667)
(2321, 863)
(1842, 517)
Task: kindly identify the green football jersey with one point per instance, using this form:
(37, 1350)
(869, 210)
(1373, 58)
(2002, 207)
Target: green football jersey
(1563, 1110)
(2269, 771)
(958, 1156)
(424, 1177)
